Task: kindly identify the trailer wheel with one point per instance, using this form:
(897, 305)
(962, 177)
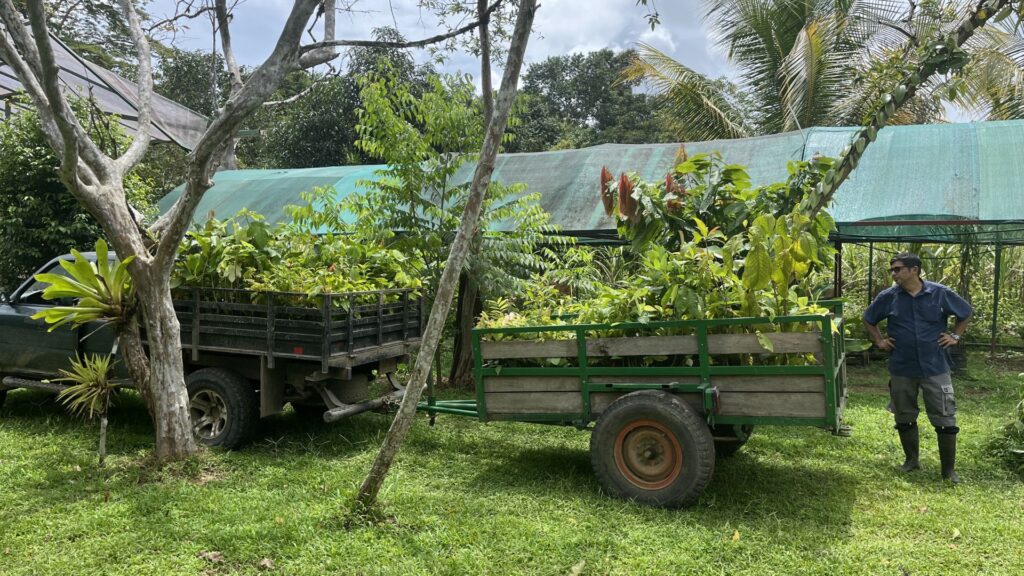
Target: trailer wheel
(222, 406)
(652, 448)
(729, 438)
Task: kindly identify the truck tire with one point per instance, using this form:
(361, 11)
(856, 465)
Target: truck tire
(222, 406)
(729, 438)
(652, 448)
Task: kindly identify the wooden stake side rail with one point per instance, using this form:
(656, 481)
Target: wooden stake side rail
(332, 329)
(762, 376)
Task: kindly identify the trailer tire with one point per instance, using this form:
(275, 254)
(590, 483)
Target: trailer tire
(222, 407)
(727, 447)
(652, 448)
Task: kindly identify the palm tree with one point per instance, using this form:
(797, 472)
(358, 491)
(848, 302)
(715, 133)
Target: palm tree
(826, 63)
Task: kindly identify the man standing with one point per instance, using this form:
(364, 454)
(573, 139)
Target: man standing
(918, 336)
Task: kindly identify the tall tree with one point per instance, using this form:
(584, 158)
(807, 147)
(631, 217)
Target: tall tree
(370, 487)
(97, 179)
(579, 100)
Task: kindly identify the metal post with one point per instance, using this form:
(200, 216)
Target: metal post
(837, 278)
(871, 270)
(995, 295)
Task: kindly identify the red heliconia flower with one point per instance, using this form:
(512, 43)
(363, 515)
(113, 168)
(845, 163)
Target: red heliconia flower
(627, 204)
(670, 185)
(606, 193)
(681, 155)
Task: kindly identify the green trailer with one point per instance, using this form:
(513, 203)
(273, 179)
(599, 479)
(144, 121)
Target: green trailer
(663, 399)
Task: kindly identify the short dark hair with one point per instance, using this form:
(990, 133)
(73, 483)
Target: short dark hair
(909, 260)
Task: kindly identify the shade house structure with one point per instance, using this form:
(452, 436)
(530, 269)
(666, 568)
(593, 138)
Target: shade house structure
(940, 183)
(171, 122)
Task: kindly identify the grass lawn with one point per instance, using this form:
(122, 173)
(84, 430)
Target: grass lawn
(468, 498)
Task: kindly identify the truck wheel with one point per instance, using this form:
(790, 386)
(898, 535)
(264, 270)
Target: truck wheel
(222, 405)
(651, 447)
(729, 438)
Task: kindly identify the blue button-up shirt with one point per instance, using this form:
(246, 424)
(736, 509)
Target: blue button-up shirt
(916, 322)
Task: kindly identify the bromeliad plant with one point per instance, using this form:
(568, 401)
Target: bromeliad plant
(101, 291)
(91, 392)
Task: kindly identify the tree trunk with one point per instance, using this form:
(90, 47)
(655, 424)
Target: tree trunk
(461, 375)
(164, 389)
(367, 495)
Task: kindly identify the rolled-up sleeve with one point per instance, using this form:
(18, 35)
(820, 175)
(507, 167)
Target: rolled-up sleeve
(954, 305)
(879, 308)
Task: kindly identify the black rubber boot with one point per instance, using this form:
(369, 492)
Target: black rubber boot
(909, 438)
(947, 453)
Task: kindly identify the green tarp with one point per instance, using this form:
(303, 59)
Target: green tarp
(959, 182)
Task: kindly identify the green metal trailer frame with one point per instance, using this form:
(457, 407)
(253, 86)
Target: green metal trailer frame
(697, 378)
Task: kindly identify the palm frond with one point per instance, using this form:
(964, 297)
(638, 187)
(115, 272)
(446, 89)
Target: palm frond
(697, 107)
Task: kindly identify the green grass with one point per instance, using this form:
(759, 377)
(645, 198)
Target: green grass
(468, 498)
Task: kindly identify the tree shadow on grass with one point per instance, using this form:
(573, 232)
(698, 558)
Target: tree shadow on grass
(743, 488)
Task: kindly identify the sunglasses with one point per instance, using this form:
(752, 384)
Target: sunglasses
(896, 269)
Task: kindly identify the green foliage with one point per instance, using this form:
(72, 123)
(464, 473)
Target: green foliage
(707, 245)
(91, 390)
(1008, 443)
(100, 291)
(578, 100)
(318, 128)
(417, 201)
(39, 217)
(196, 79)
(245, 252)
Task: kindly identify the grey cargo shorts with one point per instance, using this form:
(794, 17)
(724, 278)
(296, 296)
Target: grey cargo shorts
(939, 403)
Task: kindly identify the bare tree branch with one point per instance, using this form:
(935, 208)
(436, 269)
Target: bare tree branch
(223, 24)
(306, 50)
(909, 35)
(187, 14)
(76, 142)
(285, 58)
(144, 83)
(484, 17)
(332, 74)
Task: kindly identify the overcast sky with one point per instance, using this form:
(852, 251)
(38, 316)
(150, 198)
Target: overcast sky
(561, 27)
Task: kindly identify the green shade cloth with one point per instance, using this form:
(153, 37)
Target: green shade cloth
(931, 183)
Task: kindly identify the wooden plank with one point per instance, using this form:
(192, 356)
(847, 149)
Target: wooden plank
(642, 346)
(783, 342)
(533, 402)
(531, 384)
(528, 349)
(599, 401)
(779, 404)
(633, 379)
(769, 383)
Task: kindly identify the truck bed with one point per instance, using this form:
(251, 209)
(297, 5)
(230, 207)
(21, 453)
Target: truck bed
(337, 330)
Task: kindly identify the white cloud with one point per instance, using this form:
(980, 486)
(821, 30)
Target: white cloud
(561, 27)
